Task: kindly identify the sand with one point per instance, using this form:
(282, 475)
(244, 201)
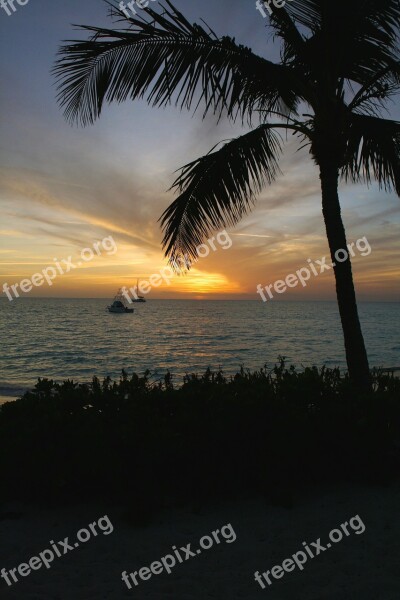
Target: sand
(362, 567)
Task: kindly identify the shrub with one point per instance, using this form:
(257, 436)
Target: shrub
(153, 443)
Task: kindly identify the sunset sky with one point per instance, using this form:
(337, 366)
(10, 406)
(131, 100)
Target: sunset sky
(62, 188)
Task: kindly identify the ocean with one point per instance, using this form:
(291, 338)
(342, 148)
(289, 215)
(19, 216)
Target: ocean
(77, 338)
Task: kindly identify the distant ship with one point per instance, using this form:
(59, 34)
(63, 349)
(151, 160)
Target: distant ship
(139, 298)
(119, 305)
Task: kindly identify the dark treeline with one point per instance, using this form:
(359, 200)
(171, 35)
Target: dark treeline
(154, 444)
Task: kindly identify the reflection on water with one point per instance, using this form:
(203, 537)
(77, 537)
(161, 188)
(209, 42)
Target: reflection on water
(60, 338)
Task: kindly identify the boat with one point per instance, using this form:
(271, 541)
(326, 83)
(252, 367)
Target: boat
(119, 304)
(138, 298)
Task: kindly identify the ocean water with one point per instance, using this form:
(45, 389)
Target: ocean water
(77, 338)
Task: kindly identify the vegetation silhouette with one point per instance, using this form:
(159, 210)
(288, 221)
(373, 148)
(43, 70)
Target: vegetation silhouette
(338, 68)
(156, 444)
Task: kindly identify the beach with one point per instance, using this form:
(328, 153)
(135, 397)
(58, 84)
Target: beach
(200, 300)
(363, 565)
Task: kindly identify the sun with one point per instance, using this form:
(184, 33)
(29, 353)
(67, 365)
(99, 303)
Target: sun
(202, 284)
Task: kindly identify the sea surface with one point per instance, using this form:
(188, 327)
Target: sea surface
(77, 338)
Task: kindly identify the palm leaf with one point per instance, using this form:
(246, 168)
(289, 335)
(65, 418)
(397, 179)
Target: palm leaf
(163, 57)
(373, 152)
(372, 96)
(218, 189)
(285, 28)
(352, 40)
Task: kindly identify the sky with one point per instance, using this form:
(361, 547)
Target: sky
(63, 188)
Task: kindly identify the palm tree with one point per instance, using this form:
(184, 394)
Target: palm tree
(339, 66)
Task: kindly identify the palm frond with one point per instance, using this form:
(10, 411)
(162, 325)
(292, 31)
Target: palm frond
(372, 96)
(373, 152)
(164, 58)
(218, 189)
(365, 18)
(351, 39)
(285, 28)
(308, 13)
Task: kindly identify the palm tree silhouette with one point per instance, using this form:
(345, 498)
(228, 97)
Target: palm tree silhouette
(339, 66)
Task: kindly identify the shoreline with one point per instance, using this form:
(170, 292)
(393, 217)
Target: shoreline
(24, 388)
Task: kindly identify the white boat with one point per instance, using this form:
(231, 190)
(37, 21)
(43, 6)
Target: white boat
(119, 305)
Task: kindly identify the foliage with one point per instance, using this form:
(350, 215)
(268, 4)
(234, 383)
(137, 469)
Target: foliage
(338, 72)
(153, 443)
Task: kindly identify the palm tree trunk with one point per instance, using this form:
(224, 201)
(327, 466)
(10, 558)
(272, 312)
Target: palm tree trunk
(356, 355)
